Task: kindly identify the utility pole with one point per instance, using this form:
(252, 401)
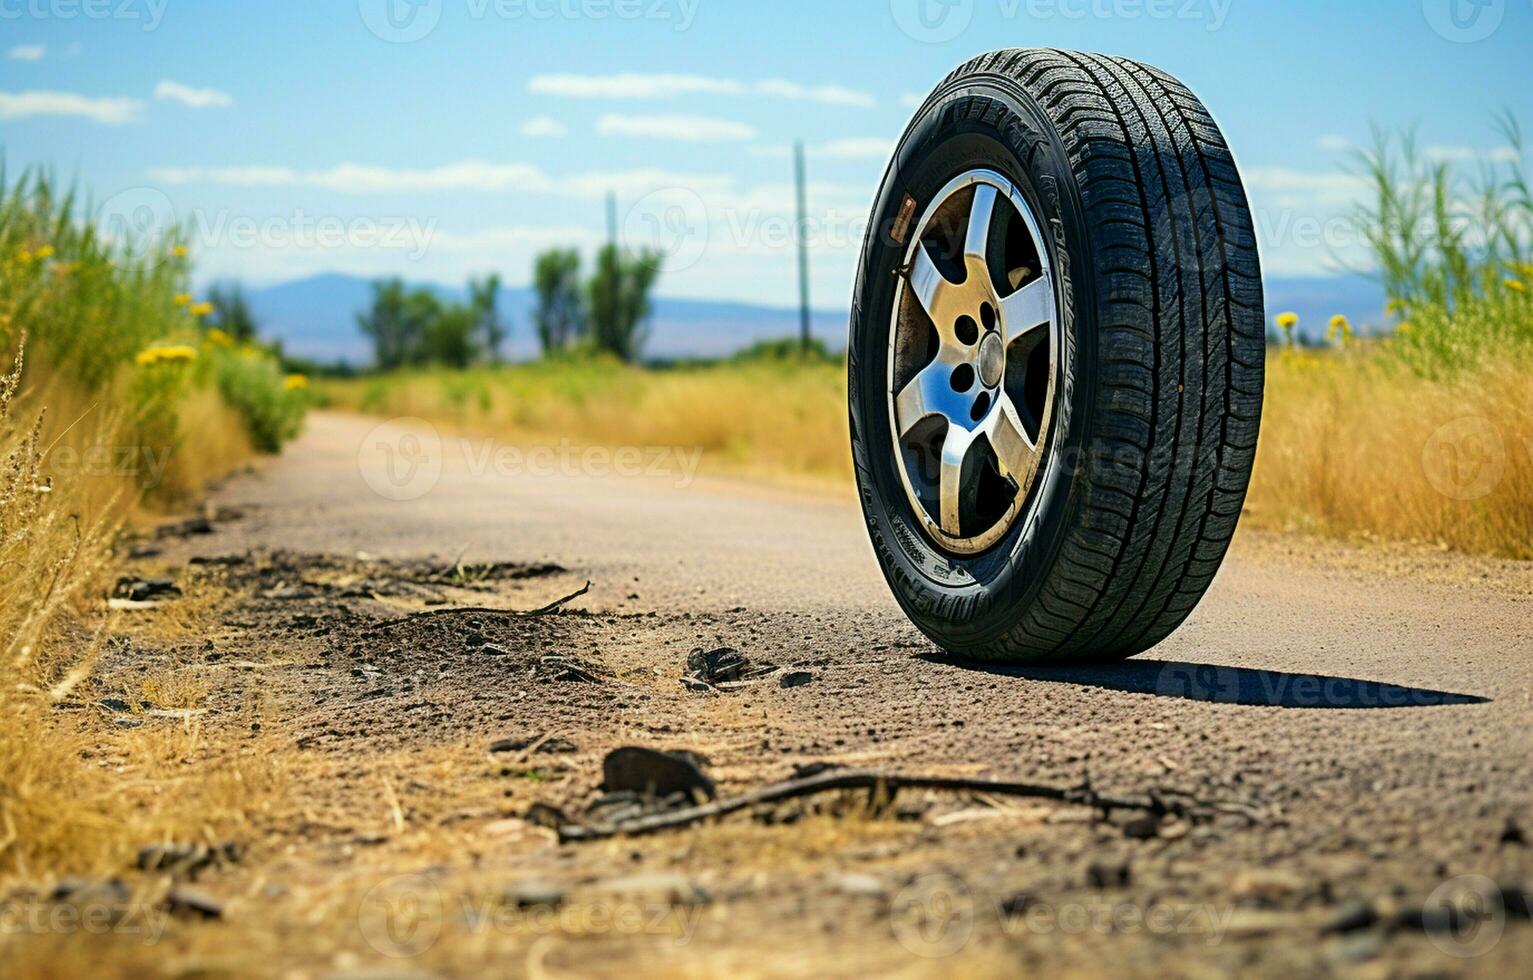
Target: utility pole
(613, 271)
(803, 249)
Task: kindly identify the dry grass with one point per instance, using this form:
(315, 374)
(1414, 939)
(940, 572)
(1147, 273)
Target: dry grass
(71, 479)
(1356, 446)
(769, 418)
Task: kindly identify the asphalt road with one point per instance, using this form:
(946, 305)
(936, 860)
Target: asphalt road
(1373, 705)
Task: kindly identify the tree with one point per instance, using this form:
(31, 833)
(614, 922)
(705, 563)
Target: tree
(384, 324)
(449, 335)
(484, 296)
(397, 322)
(231, 312)
(618, 294)
(560, 315)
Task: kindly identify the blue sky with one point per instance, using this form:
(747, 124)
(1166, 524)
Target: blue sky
(460, 136)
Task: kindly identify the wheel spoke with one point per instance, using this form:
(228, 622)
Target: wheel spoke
(1014, 450)
(954, 449)
(1029, 308)
(977, 242)
(928, 284)
(915, 401)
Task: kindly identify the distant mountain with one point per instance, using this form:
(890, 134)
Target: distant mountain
(316, 317)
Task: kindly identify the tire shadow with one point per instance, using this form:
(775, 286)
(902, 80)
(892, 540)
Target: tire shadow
(1219, 684)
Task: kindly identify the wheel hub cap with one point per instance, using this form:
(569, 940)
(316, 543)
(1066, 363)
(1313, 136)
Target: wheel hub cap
(992, 360)
(972, 356)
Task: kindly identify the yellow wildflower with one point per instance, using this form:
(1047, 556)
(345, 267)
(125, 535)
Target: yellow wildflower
(1288, 320)
(200, 309)
(23, 256)
(1340, 328)
(217, 336)
(183, 299)
(46, 252)
(1404, 327)
(179, 251)
(295, 382)
(1517, 285)
(175, 354)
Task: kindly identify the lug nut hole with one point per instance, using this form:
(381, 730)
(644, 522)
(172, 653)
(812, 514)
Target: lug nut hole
(967, 330)
(981, 406)
(987, 315)
(963, 377)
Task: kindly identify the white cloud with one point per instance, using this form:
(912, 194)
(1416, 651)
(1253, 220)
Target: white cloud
(28, 52)
(829, 94)
(1334, 144)
(911, 100)
(544, 127)
(111, 111)
(466, 175)
(197, 98)
(1295, 188)
(1470, 154)
(687, 129)
(632, 85)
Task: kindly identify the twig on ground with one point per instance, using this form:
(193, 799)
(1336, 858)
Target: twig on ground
(552, 607)
(891, 783)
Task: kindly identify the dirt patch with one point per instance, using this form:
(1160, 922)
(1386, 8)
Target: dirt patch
(423, 725)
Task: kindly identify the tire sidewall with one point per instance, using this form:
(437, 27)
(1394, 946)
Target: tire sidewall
(980, 121)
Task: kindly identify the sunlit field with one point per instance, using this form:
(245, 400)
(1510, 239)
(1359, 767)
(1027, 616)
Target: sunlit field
(119, 400)
(781, 418)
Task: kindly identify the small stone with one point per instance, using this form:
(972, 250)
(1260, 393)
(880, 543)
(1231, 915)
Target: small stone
(654, 773)
(858, 885)
(115, 704)
(534, 894)
(494, 650)
(546, 815)
(1350, 916)
(795, 678)
(1512, 835)
(1102, 874)
(1017, 903)
(94, 891)
(1143, 827)
(194, 902)
(474, 640)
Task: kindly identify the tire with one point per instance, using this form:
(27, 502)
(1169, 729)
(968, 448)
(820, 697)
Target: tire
(1134, 461)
